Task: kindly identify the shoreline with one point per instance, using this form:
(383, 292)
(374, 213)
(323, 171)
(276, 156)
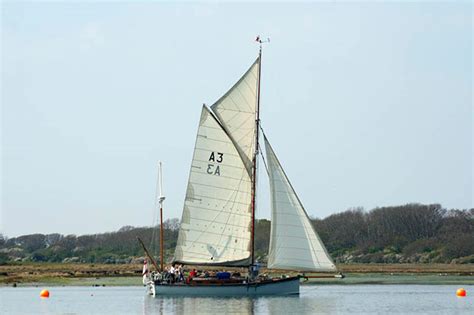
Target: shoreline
(76, 274)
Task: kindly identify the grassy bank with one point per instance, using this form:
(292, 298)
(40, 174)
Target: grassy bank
(463, 269)
(64, 273)
(130, 274)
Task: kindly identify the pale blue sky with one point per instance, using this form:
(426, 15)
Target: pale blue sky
(366, 104)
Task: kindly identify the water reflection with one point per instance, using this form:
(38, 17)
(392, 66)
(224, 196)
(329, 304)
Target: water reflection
(242, 305)
(337, 299)
(190, 305)
(310, 301)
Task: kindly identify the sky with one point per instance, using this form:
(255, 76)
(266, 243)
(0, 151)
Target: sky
(367, 104)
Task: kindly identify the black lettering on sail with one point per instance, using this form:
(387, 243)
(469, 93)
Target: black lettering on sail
(212, 158)
(209, 169)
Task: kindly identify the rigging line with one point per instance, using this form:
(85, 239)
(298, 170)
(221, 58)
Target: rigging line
(263, 158)
(153, 241)
(260, 149)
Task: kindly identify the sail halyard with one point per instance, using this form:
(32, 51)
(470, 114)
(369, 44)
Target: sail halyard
(294, 244)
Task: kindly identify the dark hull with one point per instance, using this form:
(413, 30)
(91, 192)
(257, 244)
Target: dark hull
(287, 286)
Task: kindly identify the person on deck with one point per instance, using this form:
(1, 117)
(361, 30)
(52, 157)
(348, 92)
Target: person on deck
(191, 275)
(172, 272)
(179, 273)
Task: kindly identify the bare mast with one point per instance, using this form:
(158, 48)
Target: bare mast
(161, 198)
(254, 162)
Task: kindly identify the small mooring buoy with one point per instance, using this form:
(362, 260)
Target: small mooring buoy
(44, 293)
(461, 292)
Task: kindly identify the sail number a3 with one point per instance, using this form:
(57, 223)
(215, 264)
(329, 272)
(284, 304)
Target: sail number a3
(214, 169)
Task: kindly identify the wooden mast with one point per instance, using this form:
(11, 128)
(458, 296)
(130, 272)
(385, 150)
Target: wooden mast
(148, 253)
(160, 200)
(161, 238)
(254, 162)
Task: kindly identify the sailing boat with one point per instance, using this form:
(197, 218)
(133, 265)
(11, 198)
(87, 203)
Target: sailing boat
(218, 220)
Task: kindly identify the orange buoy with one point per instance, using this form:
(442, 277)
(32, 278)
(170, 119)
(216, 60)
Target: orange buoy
(461, 292)
(44, 293)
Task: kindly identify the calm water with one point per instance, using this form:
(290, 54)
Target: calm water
(329, 299)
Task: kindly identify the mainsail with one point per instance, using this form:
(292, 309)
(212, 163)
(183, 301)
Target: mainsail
(217, 215)
(294, 244)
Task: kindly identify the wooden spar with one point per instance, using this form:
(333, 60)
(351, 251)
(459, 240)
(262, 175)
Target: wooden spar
(254, 181)
(160, 200)
(161, 239)
(148, 254)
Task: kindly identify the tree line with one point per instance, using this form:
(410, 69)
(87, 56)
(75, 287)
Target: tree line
(409, 233)
(413, 233)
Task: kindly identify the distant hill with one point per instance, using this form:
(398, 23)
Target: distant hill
(412, 233)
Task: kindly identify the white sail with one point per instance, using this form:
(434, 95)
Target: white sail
(216, 220)
(294, 244)
(236, 112)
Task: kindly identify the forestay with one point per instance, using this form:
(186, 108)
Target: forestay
(236, 112)
(294, 244)
(215, 225)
